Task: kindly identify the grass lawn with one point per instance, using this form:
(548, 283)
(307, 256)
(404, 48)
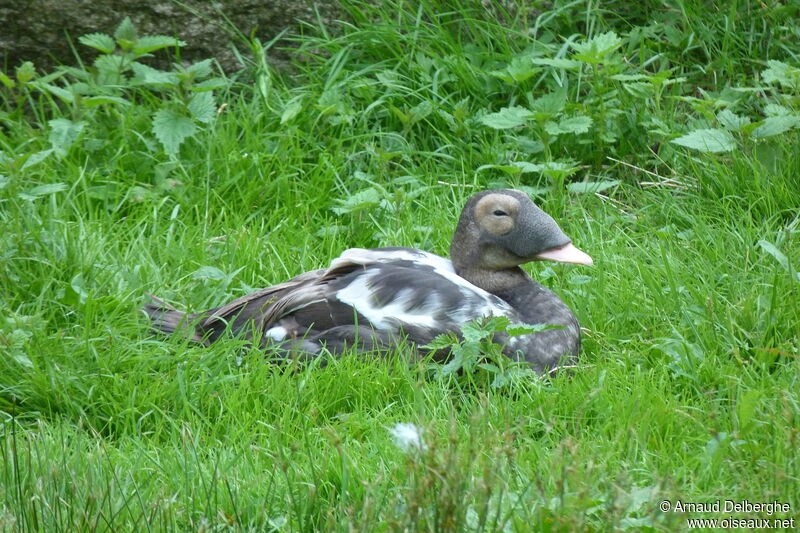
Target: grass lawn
(663, 136)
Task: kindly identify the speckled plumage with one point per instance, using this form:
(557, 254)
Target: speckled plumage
(375, 298)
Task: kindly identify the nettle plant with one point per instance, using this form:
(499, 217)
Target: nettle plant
(476, 357)
(778, 101)
(116, 81)
(580, 116)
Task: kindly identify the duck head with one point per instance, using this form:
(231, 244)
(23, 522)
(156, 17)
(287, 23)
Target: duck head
(502, 229)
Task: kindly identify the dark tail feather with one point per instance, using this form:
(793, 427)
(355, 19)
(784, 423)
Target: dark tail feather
(167, 319)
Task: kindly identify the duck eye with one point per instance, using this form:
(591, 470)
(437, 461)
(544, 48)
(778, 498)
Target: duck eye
(500, 213)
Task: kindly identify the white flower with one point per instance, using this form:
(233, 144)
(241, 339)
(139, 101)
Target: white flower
(407, 436)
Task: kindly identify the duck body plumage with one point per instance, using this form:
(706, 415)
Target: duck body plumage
(374, 299)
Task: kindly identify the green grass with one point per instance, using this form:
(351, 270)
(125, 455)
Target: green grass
(688, 387)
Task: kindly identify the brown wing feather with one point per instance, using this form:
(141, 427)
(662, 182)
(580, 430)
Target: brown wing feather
(257, 311)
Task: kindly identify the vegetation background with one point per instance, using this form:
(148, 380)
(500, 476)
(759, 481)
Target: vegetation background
(663, 136)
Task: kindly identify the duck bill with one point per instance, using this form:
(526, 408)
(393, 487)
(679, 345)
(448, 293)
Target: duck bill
(565, 254)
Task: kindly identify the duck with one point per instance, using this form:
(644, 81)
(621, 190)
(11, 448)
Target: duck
(375, 299)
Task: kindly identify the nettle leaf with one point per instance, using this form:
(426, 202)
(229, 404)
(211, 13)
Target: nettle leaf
(94, 101)
(209, 273)
(36, 158)
(420, 111)
(583, 187)
(364, 199)
(151, 43)
(201, 69)
(731, 121)
(202, 107)
(292, 109)
(772, 110)
(210, 84)
(390, 79)
(707, 140)
(577, 125)
(110, 64)
(63, 133)
(524, 329)
(126, 34)
(25, 72)
(43, 190)
(172, 128)
(786, 75)
(776, 125)
(62, 94)
(508, 117)
(549, 104)
(150, 76)
(558, 62)
(441, 341)
(518, 70)
(596, 49)
(99, 41)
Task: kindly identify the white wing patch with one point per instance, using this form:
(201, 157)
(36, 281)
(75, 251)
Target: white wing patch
(278, 333)
(386, 317)
(359, 295)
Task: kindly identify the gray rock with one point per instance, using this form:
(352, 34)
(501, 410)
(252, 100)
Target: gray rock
(41, 30)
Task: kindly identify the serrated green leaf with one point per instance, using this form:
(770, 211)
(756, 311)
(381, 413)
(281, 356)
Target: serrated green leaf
(508, 117)
(583, 187)
(209, 273)
(549, 105)
(94, 101)
(364, 199)
(292, 108)
(776, 125)
(558, 62)
(202, 107)
(786, 75)
(36, 158)
(25, 72)
(171, 129)
(63, 133)
(48, 188)
(731, 121)
(151, 43)
(630, 77)
(518, 70)
(707, 140)
(576, 125)
(515, 330)
(99, 41)
(440, 342)
(597, 49)
(62, 94)
(210, 84)
(420, 111)
(201, 69)
(455, 363)
(147, 75)
(525, 167)
(110, 64)
(772, 110)
(126, 34)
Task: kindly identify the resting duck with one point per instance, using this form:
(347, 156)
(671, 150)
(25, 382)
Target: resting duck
(394, 293)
